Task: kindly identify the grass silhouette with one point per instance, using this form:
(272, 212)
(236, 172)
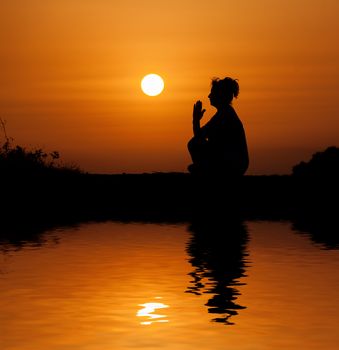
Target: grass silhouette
(18, 160)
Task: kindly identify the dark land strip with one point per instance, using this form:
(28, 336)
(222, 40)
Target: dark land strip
(31, 205)
(167, 195)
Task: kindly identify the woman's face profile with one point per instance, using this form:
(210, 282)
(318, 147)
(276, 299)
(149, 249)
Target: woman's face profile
(214, 98)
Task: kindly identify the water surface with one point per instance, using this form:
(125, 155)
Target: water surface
(218, 284)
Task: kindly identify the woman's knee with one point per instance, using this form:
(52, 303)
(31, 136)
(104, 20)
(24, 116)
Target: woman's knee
(191, 144)
(196, 142)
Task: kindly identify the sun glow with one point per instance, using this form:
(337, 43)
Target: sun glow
(152, 84)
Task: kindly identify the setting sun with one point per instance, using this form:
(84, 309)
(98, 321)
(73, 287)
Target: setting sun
(152, 84)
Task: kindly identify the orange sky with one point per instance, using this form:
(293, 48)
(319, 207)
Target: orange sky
(70, 74)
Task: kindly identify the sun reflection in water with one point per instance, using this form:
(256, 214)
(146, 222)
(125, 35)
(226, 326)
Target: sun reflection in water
(147, 312)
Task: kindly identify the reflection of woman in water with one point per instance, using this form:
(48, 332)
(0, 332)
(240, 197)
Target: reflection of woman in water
(220, 145)
(218, 254)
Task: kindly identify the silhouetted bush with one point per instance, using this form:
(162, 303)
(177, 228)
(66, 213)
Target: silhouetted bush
(322, 164)
(18, 160)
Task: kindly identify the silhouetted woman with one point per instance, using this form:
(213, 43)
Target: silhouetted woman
(219, 147)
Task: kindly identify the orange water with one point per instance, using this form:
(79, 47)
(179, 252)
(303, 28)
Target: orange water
(111, 285)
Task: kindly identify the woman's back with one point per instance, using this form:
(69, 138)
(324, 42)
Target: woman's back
(227, 141)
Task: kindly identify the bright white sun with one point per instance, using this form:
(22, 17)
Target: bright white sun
(152, 84)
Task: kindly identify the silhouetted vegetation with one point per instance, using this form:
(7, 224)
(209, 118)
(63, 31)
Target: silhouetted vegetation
(18, 160)
(322, 164)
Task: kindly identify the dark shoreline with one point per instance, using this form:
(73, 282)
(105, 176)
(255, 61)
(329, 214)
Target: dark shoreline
(30, 206)
(177, 195)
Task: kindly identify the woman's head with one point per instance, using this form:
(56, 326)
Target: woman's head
(223, 91)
